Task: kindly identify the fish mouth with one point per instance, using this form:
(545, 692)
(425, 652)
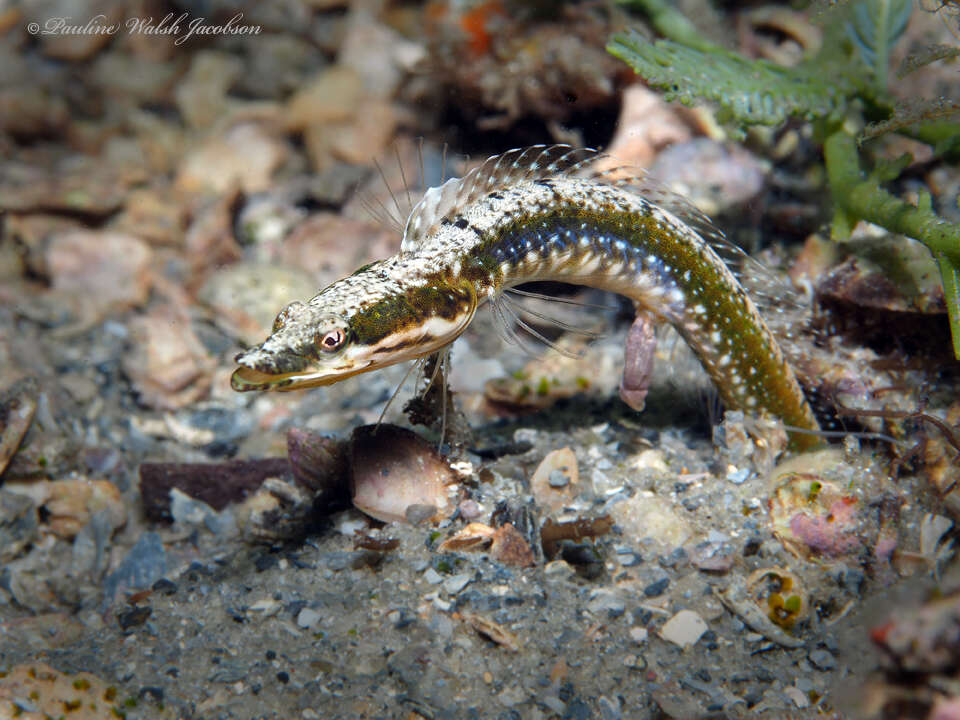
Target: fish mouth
(263, 371)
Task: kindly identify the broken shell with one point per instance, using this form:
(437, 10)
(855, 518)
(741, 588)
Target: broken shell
(492, 630)
(73, 502)
(317, 462)
(394, 468)
(738, 600)
(510, 547)
(780, 594)
(554, 482)
(810, 515)
(471, 537)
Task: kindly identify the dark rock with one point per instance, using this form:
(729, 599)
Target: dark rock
(133, 617)
(657, 588)
(164, 587)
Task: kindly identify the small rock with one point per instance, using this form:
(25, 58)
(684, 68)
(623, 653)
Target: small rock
(714, 176)
(606, 602)
(822, 659)
(201, 95)
(133, 617)
(456, 583)
(639, 635)
(245, 155)
(168, 365)
(308, 618)
(98, 273)
(331, 97)
(470, 510)
(713, 556)
(657, 588)
(798, 697)
(432, 576)
(684, 628)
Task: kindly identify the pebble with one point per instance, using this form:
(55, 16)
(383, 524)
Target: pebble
(98, 273)
(822, 660)
(610, 709)
(639, 635)
(738, 477)
(308, 618)
(245, 155)
(798, 697)
(167, 365)
(456, 583)
(433, 577)
(606, 601)
(657, 588)
(684, 628)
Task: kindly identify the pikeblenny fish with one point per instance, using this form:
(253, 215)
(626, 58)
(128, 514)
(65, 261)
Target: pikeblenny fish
(533, 214)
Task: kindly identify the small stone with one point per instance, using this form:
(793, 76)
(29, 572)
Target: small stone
(456, 583)
(657, 588)
(308, 617)
(822, 660)
(470, 510)
(432, 576)
(558, 479)
(738, 477)
(684, 628)
(163, 586)
(798, 697)
(639, 635)
(610, 709)
(245, 156)
(168, 365)
(133, 617)
(606, 601)
(98, 273)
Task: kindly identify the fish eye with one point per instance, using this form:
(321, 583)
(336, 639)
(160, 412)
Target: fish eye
(332, 340)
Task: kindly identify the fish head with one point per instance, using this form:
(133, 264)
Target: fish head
(364, 322)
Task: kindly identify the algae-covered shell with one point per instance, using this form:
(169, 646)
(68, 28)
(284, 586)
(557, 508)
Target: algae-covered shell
(780, 594)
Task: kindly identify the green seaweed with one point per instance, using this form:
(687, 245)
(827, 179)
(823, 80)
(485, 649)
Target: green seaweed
(832, 90)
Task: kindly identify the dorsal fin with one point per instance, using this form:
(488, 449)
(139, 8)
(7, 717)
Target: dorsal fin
(498, 171)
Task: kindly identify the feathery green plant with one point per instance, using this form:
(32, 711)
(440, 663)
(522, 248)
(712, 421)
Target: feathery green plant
(831, 89)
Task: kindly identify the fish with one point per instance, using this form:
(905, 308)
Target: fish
(545, 212)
